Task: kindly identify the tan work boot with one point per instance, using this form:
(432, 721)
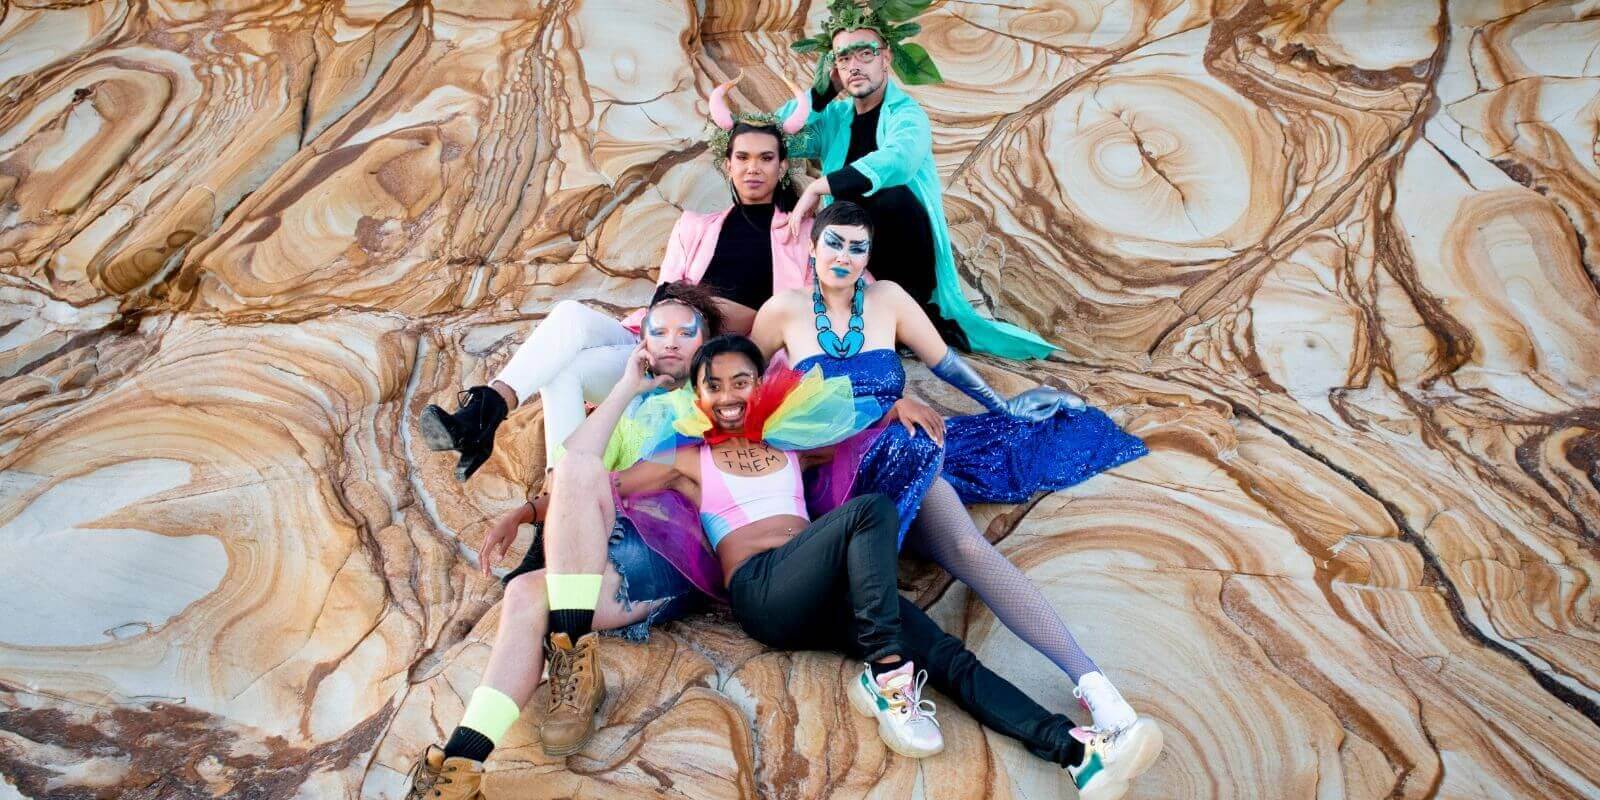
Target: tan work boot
(438, 778)
(576, 689)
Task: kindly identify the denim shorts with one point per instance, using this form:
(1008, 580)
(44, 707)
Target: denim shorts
(646, 577)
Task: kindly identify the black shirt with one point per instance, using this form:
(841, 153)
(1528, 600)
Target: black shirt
(863, 134)
(902, 241)
(847, 181)
(741, 266)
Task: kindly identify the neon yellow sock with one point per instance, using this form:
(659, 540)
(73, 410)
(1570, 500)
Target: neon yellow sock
(580, 592)
(490, 712)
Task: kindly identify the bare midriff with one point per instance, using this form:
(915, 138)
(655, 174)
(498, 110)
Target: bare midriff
(741, 544)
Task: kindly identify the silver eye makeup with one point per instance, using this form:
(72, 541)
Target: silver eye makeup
(660, 333)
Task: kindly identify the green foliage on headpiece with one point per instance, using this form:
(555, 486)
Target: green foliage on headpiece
(889, 19)
(914, 65)
(718, 140)
(901, 10)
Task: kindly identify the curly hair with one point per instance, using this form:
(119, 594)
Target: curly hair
(697, 298)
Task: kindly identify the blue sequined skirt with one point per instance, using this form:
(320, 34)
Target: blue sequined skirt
(998, 458)
(988, 458)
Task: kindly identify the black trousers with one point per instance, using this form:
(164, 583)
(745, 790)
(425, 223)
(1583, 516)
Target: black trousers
(800, 597)
(833, 580)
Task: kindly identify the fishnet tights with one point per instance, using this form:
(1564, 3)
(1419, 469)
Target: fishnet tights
(944, 532)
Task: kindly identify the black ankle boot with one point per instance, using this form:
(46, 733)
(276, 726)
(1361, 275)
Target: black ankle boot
(531, 560)
(469, 431)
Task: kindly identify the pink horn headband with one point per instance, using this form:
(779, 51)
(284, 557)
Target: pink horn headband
(802, 111)
(720, 115)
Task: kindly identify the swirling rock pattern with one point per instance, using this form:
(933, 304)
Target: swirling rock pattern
(1336, 262)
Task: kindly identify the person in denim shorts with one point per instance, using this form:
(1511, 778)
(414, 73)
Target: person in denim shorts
(646, 579)
(637, 588)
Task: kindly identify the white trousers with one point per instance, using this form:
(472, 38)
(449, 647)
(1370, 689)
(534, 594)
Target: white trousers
(575, 355)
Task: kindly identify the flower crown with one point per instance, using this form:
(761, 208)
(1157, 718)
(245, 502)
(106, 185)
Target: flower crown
(890, 19)
(792, 127)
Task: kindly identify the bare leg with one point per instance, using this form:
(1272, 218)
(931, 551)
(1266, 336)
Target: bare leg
(517, 660)
(506, 393)
(580, 518)
(515, 664)
(576, 536)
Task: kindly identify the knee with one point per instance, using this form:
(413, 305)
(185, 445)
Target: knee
(565, 313)
(878, 511)
(578, 474)
(526, 595)
(971, 545)
(925, 450)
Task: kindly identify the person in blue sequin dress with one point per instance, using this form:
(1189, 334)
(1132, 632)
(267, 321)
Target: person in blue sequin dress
(931, 467)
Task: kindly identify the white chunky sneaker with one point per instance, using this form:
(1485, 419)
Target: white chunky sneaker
(905, 720)
(1102, 700)
(1112, 760)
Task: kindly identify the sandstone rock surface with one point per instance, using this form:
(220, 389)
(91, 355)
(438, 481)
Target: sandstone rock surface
(1336, 262)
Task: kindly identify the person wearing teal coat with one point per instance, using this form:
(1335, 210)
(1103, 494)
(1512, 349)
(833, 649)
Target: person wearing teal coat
(898, 154)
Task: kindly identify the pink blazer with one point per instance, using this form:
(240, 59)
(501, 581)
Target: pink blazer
(694, 239)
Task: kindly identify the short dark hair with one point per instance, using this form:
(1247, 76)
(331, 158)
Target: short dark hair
(843, 212)
(698, 298)
(722, 345)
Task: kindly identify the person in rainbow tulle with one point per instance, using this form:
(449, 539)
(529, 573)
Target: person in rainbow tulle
(609, 554)
(736, 448)
(742, 253)
(726, 458)
(849, 328)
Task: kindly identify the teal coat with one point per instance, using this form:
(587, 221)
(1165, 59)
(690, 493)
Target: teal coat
(905, 157)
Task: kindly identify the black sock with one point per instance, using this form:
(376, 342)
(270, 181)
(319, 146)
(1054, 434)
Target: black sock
(468, 743)
(878, 670)
(574, 622)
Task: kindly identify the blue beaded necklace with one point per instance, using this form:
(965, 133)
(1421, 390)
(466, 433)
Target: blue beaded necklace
(826, 338)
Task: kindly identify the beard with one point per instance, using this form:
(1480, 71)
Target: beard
(678, 375)
(866, 89)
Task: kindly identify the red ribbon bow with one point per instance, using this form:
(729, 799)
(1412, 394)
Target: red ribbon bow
(769, 394)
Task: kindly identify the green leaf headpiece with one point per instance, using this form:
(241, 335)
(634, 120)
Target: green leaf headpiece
(791, 129)
(891, 20)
